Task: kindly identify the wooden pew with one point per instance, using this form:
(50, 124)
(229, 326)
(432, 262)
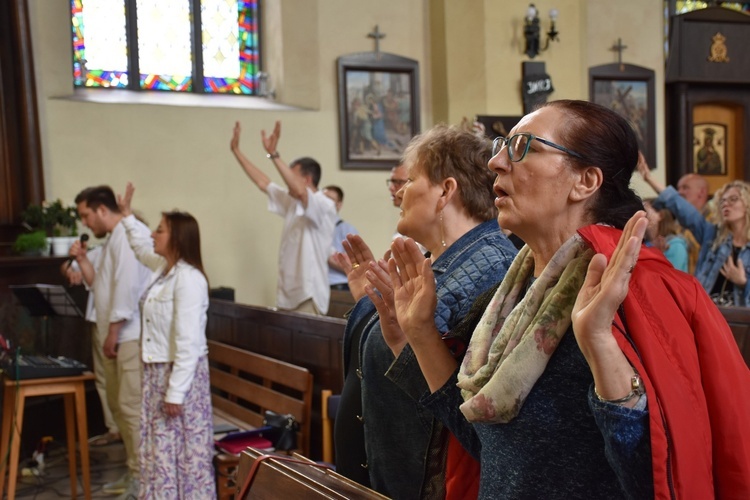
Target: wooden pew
(313, 342)
(243, 386)
(739, 321)
(340, 303)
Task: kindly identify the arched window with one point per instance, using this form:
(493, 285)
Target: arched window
(198, 46)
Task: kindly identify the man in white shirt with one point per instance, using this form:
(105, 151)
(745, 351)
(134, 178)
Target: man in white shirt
(117, 283)
(72, 272)
(309, 220)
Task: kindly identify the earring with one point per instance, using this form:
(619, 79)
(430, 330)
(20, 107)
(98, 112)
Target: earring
(442, 230)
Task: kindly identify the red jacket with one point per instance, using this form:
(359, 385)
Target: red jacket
(697, 383)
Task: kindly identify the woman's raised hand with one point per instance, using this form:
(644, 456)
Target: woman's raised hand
(606, 285)
(604, 289)
(123, 202)
(413, 289)
(355, 263)
(380, 292)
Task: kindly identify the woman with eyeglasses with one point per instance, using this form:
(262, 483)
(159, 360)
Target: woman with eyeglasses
(446, 205)
(724, 260)
(594, 369)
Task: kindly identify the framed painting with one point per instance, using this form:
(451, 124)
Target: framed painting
(378, 108)
(628, 90)
(710, 149)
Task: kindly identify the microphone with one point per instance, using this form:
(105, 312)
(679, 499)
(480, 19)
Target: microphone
(84, 238)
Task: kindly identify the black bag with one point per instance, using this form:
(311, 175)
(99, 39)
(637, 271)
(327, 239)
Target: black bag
(284, 428)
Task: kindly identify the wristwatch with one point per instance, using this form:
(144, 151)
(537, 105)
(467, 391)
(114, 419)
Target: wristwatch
(636, 389)
(273, 156)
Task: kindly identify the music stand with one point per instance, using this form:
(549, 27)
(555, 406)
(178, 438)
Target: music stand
(46, 300)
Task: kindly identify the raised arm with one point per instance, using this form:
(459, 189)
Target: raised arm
(256, 175)
(604, 289)
(415, 301)
(295, 183)
(138, 236)
(645, 172)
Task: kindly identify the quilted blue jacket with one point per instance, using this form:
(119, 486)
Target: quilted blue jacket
(402, 439)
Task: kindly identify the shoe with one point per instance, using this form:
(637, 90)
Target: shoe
(105, 439)
(118, 487)
(132, 491)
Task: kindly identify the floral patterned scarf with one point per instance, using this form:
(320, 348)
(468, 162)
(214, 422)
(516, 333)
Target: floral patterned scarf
(514, 340)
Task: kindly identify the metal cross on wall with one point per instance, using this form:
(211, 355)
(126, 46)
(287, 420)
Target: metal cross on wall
(377, 35)
(619, 47)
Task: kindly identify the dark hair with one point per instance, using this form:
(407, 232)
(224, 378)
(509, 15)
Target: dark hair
(184, 238)
(337, 190)
(96, 196)
(605, 140)
(308, 166)
(444, 152)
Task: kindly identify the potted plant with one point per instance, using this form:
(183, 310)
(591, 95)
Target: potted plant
(58, 222)
(54, 218)
(34, 243)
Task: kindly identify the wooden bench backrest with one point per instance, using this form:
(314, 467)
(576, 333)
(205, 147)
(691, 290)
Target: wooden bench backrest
(245, 385)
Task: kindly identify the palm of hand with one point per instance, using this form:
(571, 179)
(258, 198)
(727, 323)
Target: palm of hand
(415, 301)
(598, 300)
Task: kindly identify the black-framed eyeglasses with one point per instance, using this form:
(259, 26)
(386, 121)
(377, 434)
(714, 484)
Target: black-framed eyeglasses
(518, 146)
(395, 182)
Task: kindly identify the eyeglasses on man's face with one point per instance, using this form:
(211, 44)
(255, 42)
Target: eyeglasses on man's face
(397, 183)
(518, 146)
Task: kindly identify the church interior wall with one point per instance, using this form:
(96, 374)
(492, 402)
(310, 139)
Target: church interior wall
(178, 156)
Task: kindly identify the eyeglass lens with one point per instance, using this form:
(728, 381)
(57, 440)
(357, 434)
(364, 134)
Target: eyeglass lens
(731, 200)
(517, 145)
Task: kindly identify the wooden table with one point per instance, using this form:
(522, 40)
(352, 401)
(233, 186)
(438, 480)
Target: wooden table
(15, 394)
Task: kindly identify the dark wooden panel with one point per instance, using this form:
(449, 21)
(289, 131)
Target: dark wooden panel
(739, 321)
(314, 342)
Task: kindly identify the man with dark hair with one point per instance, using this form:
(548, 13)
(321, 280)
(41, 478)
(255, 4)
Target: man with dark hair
(117, 281)
(336, 275)
(309, 220)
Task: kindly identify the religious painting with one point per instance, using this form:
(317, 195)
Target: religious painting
(710, 149)
(378, 109)
(629, 91)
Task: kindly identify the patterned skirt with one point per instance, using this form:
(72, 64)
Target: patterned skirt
(176, 453)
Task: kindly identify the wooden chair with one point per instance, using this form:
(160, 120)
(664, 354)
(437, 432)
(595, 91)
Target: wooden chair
(329, 407)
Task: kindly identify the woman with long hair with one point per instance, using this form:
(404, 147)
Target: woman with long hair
(176, 414)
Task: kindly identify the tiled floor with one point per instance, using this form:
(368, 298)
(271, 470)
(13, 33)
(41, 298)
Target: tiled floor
(107, 464)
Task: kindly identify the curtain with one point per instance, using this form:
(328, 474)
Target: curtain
(21, 174)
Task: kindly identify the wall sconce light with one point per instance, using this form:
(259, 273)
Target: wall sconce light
(531, 31)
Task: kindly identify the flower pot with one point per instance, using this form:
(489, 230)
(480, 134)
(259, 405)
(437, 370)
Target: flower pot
(60, 245)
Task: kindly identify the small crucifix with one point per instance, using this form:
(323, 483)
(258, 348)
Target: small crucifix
(619, 47)
(377, 35)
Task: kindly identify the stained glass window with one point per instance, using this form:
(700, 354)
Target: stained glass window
(683, 6)
(170, 44)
